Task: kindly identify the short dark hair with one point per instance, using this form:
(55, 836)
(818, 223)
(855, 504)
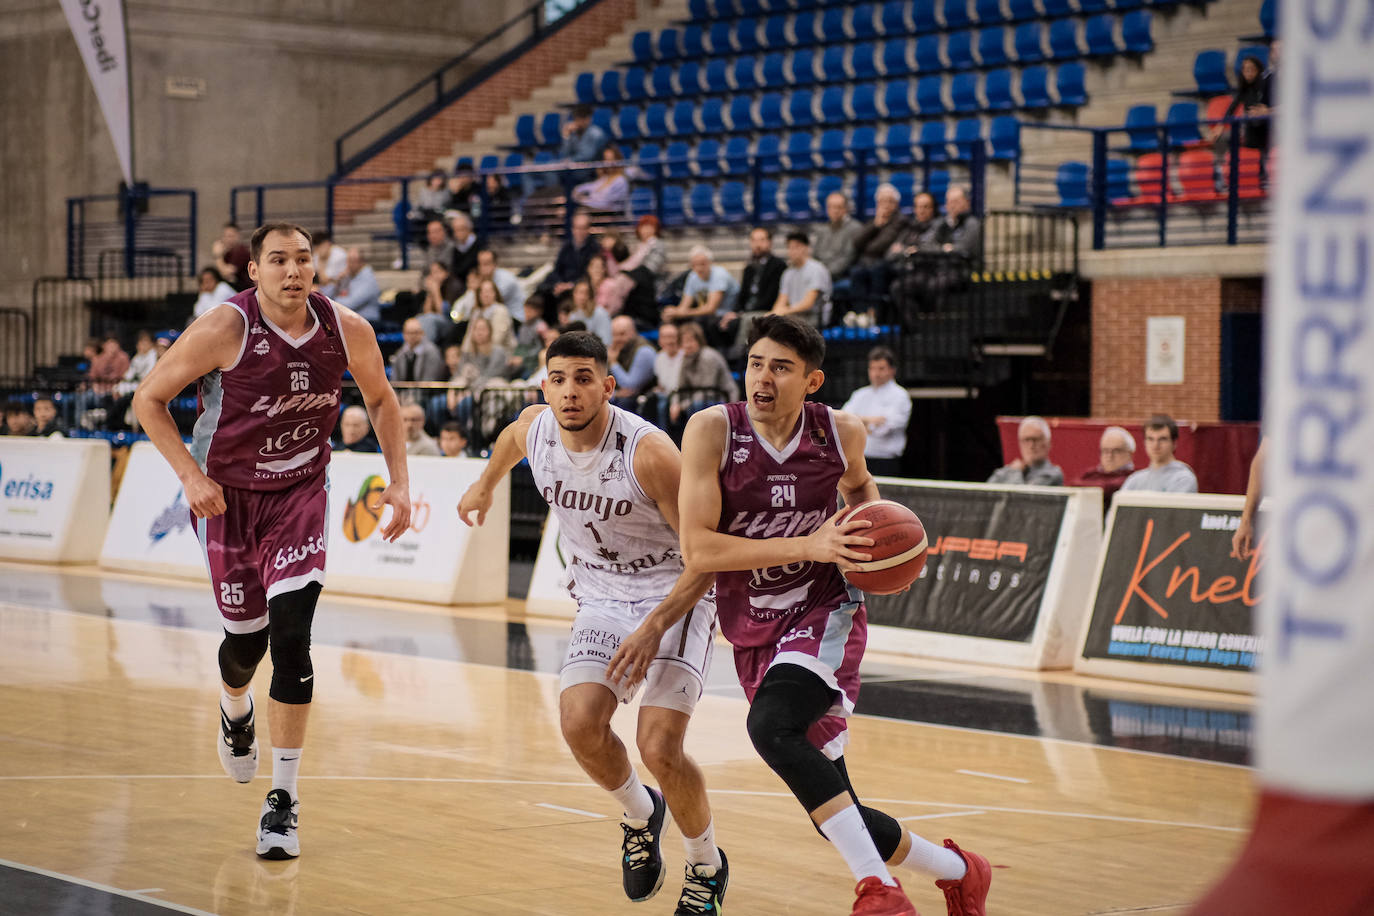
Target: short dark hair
(580, 345)
(581, 111)
(17, 407)
(1163, 421)
(491, 251)
(453, 426)
(797, 235)
(322, 236)
(883, 353)
(792, 333)
(213, 271)
(266, 229)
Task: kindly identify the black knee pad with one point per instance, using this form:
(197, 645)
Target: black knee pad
(239, 655)
(884, 828)
(788, 701)
(290, 616)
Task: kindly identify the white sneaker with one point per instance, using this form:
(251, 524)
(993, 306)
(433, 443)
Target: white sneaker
(238, 747)
(277, 837)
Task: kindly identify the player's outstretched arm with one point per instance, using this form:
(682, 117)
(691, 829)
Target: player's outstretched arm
(365, 362)
(1242, 541)
(857, 485)
(658, 468)
(506, 453)
(213, 341)
(699, 502)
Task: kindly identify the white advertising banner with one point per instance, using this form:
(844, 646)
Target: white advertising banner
(150, 528)
(98, 27)
(548, 592)
(54, 498)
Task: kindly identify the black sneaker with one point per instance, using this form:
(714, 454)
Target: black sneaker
(704, 889)
(277, 837)
(238, 747)
(640, 860)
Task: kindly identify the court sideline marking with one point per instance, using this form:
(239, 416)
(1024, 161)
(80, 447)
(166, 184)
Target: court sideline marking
(104, 888)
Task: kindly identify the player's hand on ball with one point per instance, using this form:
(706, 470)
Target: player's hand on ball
(476, 499)
(398, 498)
(840, 544)
(631, 660)
(204, 496)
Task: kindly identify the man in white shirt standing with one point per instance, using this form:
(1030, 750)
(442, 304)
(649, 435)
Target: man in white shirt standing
(884, 407)
(1166, 474)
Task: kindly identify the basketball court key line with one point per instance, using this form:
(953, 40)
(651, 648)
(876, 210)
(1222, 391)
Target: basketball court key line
(569, 810)
(104, 888)
(993, 776)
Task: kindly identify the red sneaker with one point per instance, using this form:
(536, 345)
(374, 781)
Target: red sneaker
(878, 899)
(968, 896)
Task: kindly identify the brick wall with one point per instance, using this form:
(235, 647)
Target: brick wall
(479, 108)
(1120, 306)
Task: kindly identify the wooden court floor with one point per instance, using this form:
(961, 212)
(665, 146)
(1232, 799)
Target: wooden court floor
(433, 785)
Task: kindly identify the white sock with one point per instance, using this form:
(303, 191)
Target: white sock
(928, 859)
(634, 799)
(286, 765)
(849, 834)
(238, 707)
(701, 850)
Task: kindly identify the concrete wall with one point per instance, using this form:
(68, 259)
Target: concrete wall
(281, 82)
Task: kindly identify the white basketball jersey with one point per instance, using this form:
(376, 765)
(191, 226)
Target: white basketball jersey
(617, 544)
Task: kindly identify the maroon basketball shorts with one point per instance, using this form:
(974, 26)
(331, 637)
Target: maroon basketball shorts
(829, 642)
(266, 543)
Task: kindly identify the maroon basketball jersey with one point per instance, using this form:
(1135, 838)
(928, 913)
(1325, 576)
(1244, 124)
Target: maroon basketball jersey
(769, 493)
(264, 422)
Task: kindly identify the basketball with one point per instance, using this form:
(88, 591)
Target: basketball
(360, 519)
(899, 547)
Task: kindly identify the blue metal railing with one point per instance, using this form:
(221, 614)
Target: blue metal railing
(424, 99)
(147, 225)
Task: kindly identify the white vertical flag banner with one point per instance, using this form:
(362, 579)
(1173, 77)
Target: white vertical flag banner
(98, 27)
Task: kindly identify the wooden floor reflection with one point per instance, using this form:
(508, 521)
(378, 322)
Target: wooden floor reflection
(439, 786)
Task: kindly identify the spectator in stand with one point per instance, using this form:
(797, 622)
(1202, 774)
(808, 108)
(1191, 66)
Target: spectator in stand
(19, 419)
(433, 200)
(529, 340)
(490, 307)
(631, 361)
(585, 310)
(960, 232)
(418, 442)
(1254, 99)
(45, 418)
(758, 289)
(330, 261)
(804, 290)
(668, 362)
(108, 365)
(1115, 449)
(441, 289)
(500, 211)
(649, 252)
(884, 408)
(142, 362)
(213, 292)
(464, 243)
(583, 141)
(702, 367)
(1166, 474)
(480, 362)
(358, 289)
(709, 295)
(837, 240)
(355, 432)
(633, 285)
(462, 189)
(1033, 468)
(462, 307)
(571, 263)
(438, 247)
(610, 189)
(452, 442)
(597, 277)
(418, 360)
(869, 277)
(911, 288)
(512, 293)
(163, 342)
(232, 256)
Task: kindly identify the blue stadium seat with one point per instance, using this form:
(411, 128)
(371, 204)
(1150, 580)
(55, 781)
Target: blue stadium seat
(1022, 10)
(897, 57)
(800, 108)
(1069, 84)
(825, 186)
(833, 69)
(464, 162)
(1089, 7)
(1142, 134)
(898, 145)
(1004, 136)
(832, 105)
(1209, 72)
(666, 47)
(744, 74)
(750, 7)
(1064, 40)
(677, 160)
(647, 159)
(989, 12)
(770, 111)
(1071, 181)
(905, 183)
(746, 36)
(524, 131)
(1135, 32)
(693, 39)
(897, 100)
(656, 120)
(584, 88)
(1118, 181)
(775, 32)
(928, 56)
(543, 179)
(1099, 33)
(700, 10)
(933, 140)
(863, 61)
(766, 204)
(804, 28)
(1035, 90)
(959, 50)
(702, 200)
(997, 90)
(684, 119)
(938, 184)
(641, 202)
(863, 144)
(992, 47)
(1124, 5)
(713, 116)
(956, 14)
(1268, 17)
(774, 74)
(732, 206)
(604, 118)
(715, 77)
(968, 134)
(797, 153)
(930, 95)
(832, 149)
(737, 156)
(661, 82)
(863, 102)
(924, 19)
(721, 44)
(642, 47)
(1029, 43)
(742, 113)
(796, 199)
(489, 162)
(894, 19)
(1182, 124)
(830, 26)
(673, 214)
(862, 25)
(688, 78)
(1057, 9)
(632, 85)
(963, 93)
(801, 68)
(768, 153)
(627, 123)
(551, 129)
